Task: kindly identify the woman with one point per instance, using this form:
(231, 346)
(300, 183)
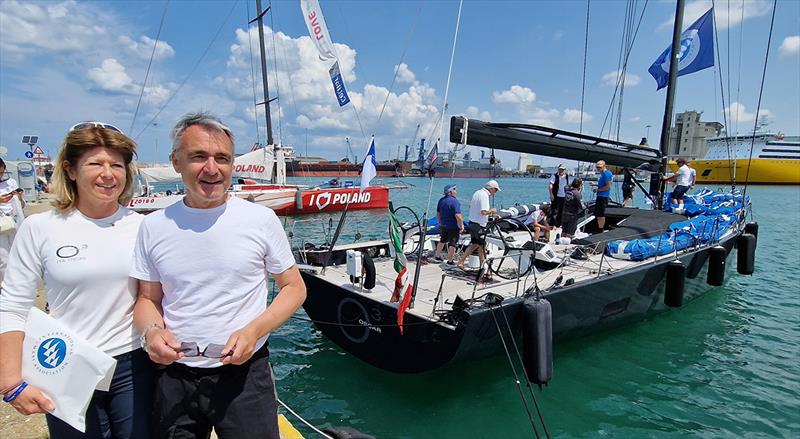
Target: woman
(573, 206)
(11, 204)
(82, 251)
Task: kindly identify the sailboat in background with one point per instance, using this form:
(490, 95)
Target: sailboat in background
(267, 163)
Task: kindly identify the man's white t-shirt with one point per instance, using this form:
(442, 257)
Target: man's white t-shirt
(537, 216)
(479, 202)
(684, 176)
(84, 263)
(213, 266)
(562, 184)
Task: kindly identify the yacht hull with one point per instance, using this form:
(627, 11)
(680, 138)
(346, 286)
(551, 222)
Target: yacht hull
(366, 328)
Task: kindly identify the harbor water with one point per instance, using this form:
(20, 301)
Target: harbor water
(725, 365)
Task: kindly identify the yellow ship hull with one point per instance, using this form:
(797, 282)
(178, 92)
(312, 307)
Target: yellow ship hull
(762, 171)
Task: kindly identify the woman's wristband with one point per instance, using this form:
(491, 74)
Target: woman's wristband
(8, 390)
(16, 393)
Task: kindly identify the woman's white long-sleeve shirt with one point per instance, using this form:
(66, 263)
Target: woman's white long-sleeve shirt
(84, 264)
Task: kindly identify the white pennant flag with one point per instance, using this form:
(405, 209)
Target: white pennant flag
(312, 14)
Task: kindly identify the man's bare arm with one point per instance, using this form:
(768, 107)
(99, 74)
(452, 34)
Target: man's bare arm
(148, 317)
(292, 294)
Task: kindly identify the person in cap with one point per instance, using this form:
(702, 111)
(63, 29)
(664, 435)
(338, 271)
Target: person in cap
(683, 179)
(559, 184)
(479, 211)
(451, 224)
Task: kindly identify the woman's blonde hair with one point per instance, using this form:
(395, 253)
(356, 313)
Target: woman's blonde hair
(75, 145)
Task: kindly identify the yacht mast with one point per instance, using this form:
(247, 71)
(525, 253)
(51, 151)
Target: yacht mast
(657, 184)
(267, 100)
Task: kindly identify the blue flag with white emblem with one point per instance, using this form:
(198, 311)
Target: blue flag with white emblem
(697, 51)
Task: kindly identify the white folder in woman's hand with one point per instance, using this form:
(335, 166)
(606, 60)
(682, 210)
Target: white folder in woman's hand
(65, 367)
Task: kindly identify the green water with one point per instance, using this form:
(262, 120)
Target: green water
(725, 365)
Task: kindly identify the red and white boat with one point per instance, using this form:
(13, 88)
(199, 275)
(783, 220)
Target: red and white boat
(284, 199)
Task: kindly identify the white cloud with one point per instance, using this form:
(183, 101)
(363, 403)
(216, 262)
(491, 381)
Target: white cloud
(515, 95)
(574, 116)
(308, 102)
(27, 28)
(737, 113)
(473, 112)
(635, 119)
(731, 15)
(111, 76)
(541, 116)
(144, 47)
(404, 74)
(790, 45)
(612, 77)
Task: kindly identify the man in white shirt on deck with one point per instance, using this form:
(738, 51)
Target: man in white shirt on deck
(479, 211)
(203, 265)
(682, 179)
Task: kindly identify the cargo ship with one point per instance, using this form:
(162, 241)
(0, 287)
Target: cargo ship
(313, 167)
(464, 167)
(775, 160)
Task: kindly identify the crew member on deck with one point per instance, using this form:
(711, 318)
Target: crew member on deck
(573, 206)
(479, 211)
(538, 221)
(559, 182)
(603, 191)
(451, 224)
(628, 185)
(682, 179)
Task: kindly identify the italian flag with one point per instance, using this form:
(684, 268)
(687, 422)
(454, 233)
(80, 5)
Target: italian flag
(402, 285)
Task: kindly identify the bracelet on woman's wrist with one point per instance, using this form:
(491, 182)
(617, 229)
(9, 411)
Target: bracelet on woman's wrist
(8, 390)
(16, 393)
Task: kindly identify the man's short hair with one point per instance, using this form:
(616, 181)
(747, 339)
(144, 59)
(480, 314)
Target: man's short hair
(680, 161)
(203, 118)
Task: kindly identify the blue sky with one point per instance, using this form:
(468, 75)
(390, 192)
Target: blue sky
(516, 61)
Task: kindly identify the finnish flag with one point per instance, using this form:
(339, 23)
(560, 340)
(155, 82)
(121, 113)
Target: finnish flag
(697, 51)
(369, 168)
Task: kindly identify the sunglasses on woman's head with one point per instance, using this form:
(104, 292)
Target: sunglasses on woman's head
(86, 125)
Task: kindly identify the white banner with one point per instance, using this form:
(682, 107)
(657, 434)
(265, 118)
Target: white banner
(317, 29)
(65, 367)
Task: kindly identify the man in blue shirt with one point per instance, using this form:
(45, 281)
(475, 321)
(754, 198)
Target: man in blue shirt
(451, 224)
(603, 192)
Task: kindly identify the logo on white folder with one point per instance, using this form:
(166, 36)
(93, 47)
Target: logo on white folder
(52, 352)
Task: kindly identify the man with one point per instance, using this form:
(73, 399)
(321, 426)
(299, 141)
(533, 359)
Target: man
(451, 224)
(479, 211)
(202, 266)
(537, 221)
(628, 185)
(682, 179)
(559, 184)
(603, 191)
